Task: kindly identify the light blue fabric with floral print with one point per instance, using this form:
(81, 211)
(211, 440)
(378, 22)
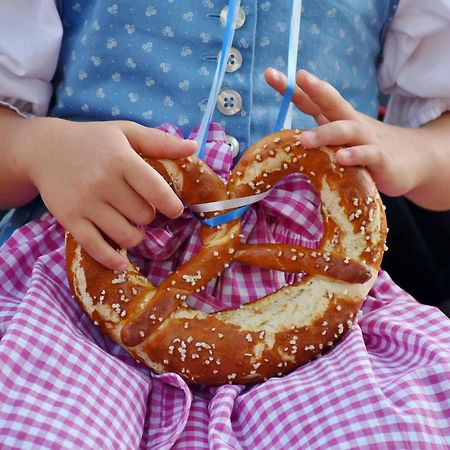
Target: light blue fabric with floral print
(154, 62)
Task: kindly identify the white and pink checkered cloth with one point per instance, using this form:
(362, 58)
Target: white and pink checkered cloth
(63, 385)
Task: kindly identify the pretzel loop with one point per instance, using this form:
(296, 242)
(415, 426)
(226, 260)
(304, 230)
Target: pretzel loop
(276, 333)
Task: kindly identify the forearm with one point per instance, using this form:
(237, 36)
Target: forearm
(433, 164)
(15, 186)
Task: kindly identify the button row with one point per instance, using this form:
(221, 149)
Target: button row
(229, 101)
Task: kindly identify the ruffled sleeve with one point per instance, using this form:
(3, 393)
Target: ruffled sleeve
(416, 63)
(30, 38)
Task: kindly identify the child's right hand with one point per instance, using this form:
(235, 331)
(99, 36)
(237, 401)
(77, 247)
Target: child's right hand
(93, 181)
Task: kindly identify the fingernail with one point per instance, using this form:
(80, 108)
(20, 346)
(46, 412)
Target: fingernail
(276, 74)
(308, 138)
(344, 155)
(191, 143)
(311, 77)
(179, 213)
(123, 267)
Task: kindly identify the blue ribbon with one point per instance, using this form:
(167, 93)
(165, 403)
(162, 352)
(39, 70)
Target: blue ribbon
(294, 34)
(227, 217)
(230, 26)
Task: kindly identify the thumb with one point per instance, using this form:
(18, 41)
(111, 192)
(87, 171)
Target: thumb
(154, 143)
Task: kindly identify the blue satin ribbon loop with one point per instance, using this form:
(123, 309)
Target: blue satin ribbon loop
(227, 217)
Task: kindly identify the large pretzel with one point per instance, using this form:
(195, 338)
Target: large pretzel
(276, 333)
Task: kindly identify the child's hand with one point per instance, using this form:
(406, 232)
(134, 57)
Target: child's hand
(92, 179)
(383, 149)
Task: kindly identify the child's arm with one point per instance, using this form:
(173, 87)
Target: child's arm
(89, 176)
(16, 189)
(414, 162)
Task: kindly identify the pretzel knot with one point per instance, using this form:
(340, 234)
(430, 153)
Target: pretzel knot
(276, 333)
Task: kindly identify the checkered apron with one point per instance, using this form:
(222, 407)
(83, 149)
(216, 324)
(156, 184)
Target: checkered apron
(63, 385)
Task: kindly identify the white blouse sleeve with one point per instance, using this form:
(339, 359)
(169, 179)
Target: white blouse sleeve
(30, 38)
(416, 66)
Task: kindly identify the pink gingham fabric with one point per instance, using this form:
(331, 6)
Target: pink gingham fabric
(63, 385)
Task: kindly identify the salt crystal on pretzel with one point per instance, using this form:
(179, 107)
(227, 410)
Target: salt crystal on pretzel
(275, 334)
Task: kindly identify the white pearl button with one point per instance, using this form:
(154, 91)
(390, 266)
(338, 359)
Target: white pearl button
(229, 102)
(233, 143)
(240, 20)
(234, 60)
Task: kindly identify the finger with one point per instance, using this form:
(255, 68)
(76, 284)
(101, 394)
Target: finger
(108, 220)
(330, 102)
(88, 236)
(301, 100)
(130, 204)
(152, 187)
(156, 143)
(340, 132)
(369, 156)
(320, 119)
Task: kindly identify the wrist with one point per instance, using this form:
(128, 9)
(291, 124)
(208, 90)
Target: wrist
(33, 139)
(424, 167)
(21, 147)
(15, 187)
(419, 158)
(404, 148)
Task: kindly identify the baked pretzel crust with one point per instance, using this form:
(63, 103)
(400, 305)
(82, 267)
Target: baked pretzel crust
(274, 334)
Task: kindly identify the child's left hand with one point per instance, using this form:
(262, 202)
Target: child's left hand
(383, 149)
